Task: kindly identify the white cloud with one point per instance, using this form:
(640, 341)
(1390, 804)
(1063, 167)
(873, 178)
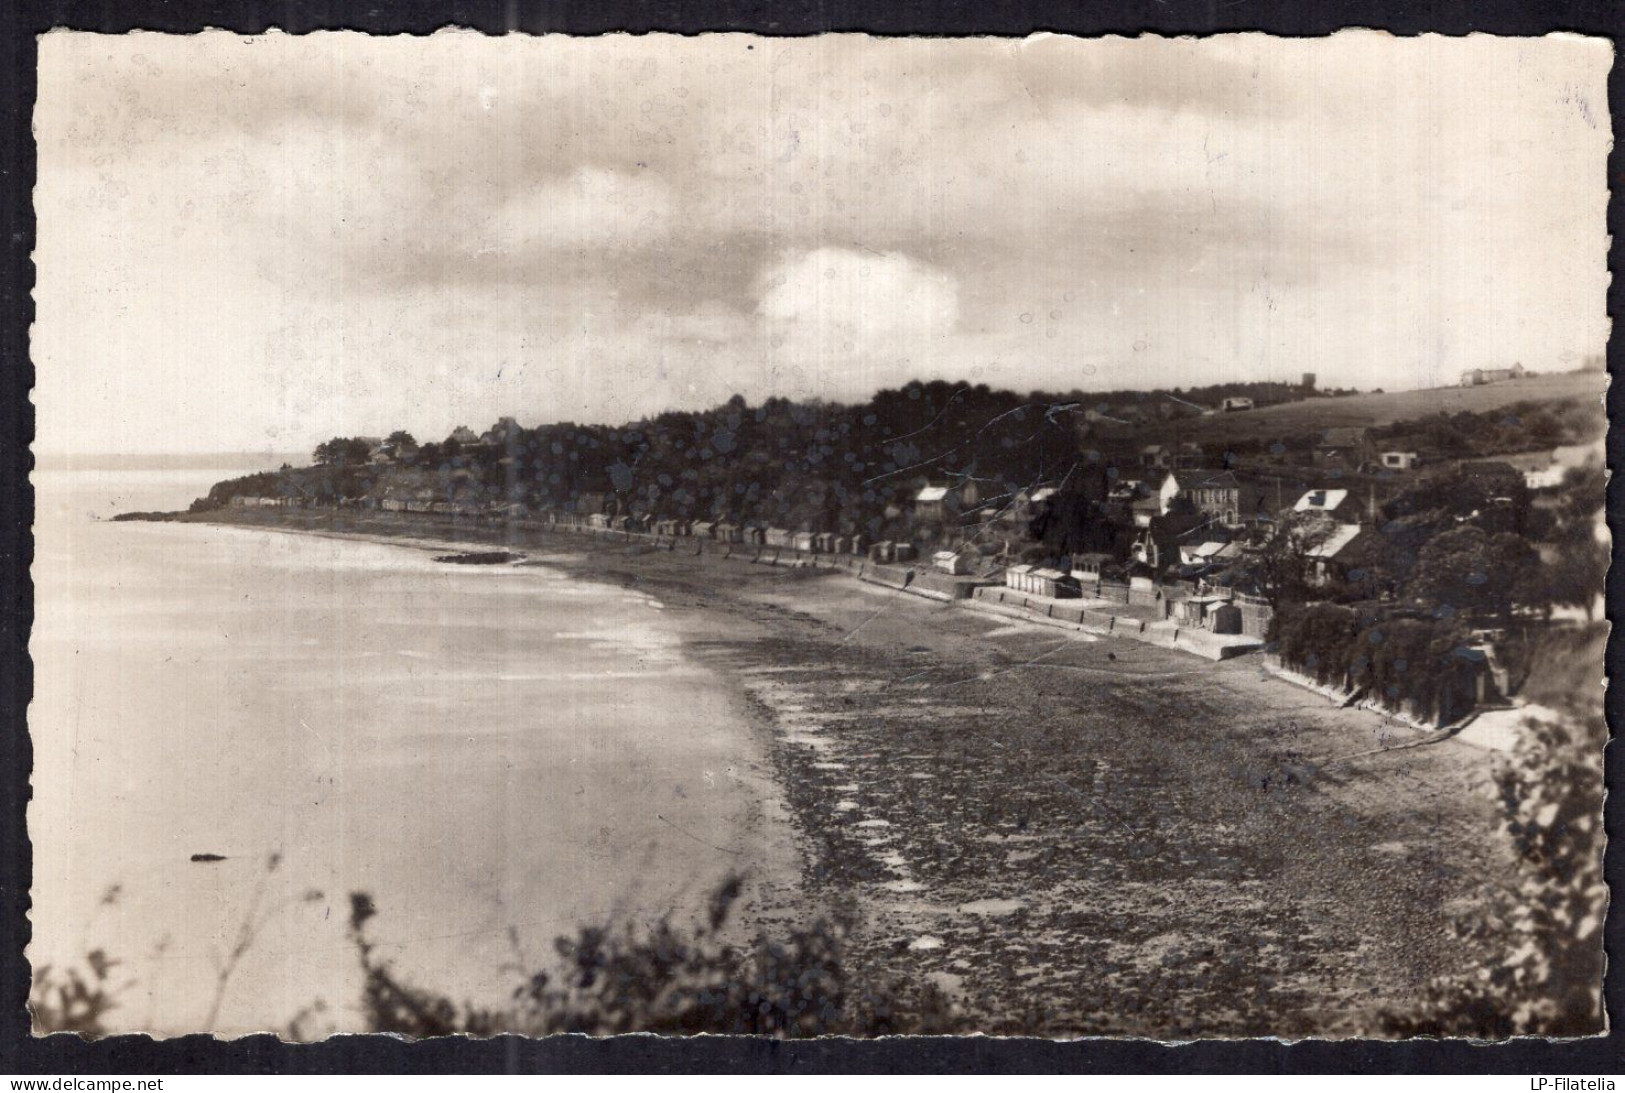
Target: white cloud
(861, 296)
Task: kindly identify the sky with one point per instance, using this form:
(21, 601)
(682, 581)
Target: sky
(257, 243)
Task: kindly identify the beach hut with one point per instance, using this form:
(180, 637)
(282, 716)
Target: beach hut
(1087, 568)
(803, 541)
(858, 544)
(882, 551)
(1052, 583)
(904, 552)
(777, 537)
(1017, 578)
(703, 529)
(951, 561)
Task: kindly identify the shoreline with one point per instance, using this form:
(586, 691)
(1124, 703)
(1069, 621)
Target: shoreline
(1068, 835)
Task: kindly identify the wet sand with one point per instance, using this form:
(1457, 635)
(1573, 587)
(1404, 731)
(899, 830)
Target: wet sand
(1073, 835)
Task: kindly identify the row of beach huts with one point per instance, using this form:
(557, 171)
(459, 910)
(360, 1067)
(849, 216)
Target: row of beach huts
(950, 574)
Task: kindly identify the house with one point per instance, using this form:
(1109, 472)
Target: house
(1207, 553)
(1220, 495)
(1157, 542)
(498, 435)
(1233, 405)
(1478, 377)
(944, 504)
(1327, 501)
(1347, 548)
(1541, 470)
(1164, 457)
(1344, 446)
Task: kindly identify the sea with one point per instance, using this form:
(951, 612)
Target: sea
(235, 731)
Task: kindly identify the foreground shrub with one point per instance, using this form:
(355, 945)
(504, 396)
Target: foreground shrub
(664, 979)
(1542, 934)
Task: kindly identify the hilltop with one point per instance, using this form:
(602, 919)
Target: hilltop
(1379, 409)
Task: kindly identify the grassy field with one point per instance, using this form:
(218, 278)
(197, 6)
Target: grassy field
(1316, 415)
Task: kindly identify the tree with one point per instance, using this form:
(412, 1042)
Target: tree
(342, 451)
(1471, 571)
(1285, 566)
(1575, 577)
(398, 441)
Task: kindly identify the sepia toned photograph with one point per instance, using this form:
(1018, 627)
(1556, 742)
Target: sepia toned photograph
(819, 536)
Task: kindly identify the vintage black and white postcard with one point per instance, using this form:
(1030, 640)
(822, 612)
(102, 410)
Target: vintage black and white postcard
(819, 536)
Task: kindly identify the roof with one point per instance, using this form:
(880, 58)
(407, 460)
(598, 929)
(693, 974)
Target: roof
(1091, 556)
(1337, 542)
(932, 493)
(1044, 494)
(1530, 461)
(1020, 569)
(1049, 574)
(1321, 501)
(1196, 480)
(1208, 549)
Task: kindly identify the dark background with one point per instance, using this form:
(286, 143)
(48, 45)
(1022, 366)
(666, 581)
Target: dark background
(21, 20)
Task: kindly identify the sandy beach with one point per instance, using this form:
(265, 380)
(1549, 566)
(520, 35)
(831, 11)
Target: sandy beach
(1070, 834)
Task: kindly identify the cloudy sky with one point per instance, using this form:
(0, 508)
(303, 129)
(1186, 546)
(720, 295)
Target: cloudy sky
(255, 243)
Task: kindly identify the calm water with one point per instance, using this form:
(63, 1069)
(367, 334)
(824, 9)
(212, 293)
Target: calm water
(495, 754)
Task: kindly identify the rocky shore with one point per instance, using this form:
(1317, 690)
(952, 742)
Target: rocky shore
(1073, 835)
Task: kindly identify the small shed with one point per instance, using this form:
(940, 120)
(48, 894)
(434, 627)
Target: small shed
(951, 561)
(1053, 584)
(804, 541)
(1225, 618)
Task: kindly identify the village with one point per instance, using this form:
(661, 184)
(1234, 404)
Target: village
(1216, 549)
